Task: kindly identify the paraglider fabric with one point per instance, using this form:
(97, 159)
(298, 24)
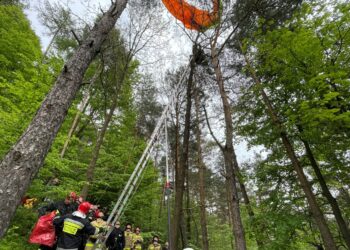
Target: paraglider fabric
(192, 17)
(44, 231)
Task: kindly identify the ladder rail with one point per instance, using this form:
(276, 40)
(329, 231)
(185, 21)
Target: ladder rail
(119, 206)
(130, 191)
(145, 152)
(151, 141)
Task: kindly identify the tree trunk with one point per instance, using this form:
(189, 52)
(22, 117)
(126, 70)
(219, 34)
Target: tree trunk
(201, 175)
(314, 208)
(23, 161)
(188, 207)
(83, 106)
(79, 130)
(325, 190)
(180, 171)
(229, 155)
(230, 216)
(96, 152)
(246, 200)
(183, 231)
(195, 229)
(174, 230)
(184, 237)
(50, 44)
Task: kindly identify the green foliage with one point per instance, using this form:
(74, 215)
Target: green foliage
(23, 83)
(302, 65)
(219, 232)
(18, 234)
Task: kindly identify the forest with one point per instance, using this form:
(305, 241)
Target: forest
(238, 121)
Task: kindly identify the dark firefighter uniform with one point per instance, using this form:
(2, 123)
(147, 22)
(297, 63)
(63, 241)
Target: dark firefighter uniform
(74, 230)
(116, 240)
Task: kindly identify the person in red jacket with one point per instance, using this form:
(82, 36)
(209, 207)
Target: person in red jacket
(74, 228)
(63, 207)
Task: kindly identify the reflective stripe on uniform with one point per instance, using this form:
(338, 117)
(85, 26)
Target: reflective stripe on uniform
(135, 238)
(71, 226)
(153, 247)
(128, 240)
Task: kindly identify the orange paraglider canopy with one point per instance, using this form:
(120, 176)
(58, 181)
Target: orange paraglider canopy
(191, 16)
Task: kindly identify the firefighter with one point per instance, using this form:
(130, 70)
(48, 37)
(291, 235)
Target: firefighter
(137, 239)
(116, 240)
(128, 236)
(155, 244)
(74, 228)
(98, 223)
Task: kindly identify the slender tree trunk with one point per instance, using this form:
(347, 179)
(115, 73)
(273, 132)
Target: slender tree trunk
(21, 164)
(83, 106)
(79, 130)
(173, 237)
(50, 44)
(246, 200)
(184, 237)
(314, 208)
(96, 152)
(325, 190)
(182, 230)
(180, 173)
(201, 175)
(188, 206)
(195, 229)
(230, 216)
(229, 156)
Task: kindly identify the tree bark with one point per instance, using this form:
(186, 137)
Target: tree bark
(305, 185)
(326, 193)
(23, 161)
(201, 175)
(229, 155)
(180, 171)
